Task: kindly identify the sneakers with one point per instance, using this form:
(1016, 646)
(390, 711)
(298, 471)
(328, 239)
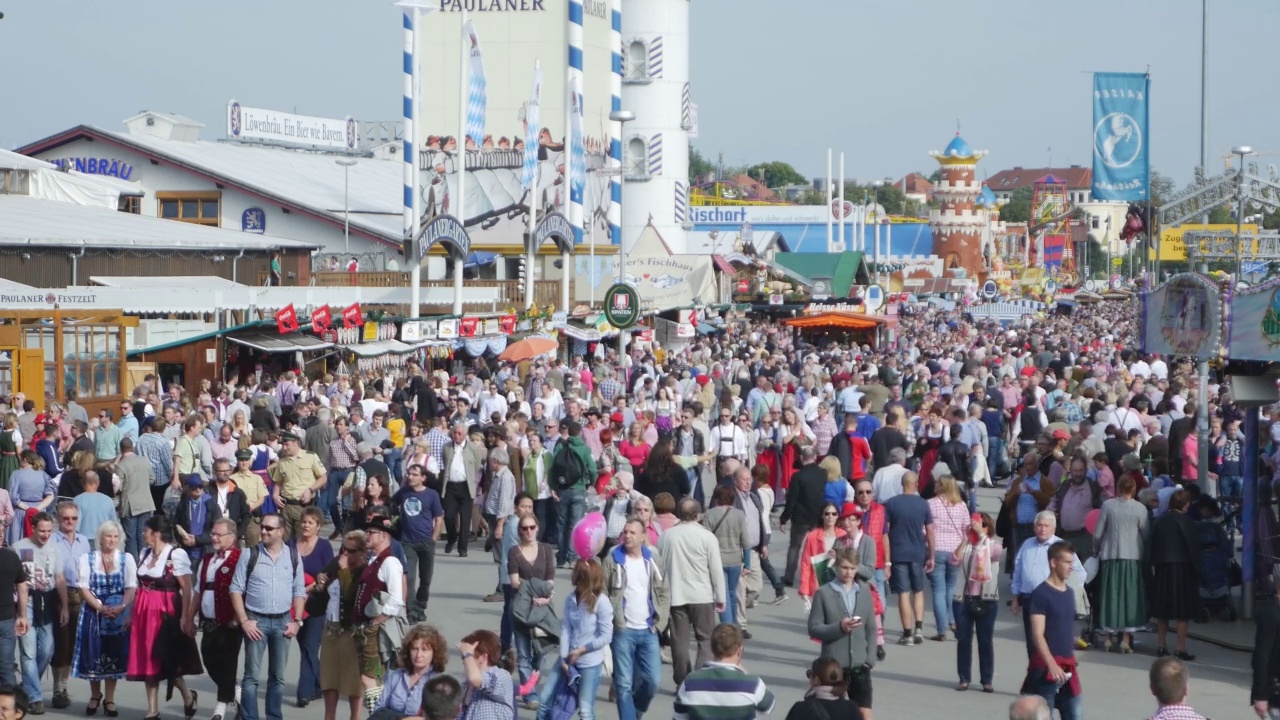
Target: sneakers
(495, 597)
(746, 634)
(61, 699)
(37, 708)
(919, 639)
(779, 598)
(881, 654)
(906, 639)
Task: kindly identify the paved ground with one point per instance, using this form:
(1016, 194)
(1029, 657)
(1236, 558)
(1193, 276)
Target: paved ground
(911, 680)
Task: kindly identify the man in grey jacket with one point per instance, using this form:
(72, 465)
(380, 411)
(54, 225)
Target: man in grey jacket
(640, 610)
(843, 620)
(136, 500)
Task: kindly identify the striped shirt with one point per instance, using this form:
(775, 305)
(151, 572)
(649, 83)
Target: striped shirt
(720, 691)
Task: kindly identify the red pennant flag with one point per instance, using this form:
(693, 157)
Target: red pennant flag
(467, 327)
(507, 323)
(352, 317)
(693, 318)
(321, 319)
(287, 320)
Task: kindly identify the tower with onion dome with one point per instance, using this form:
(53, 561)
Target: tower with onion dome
(957, 224)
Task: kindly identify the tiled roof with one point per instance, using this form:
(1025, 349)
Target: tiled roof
(1076, 178)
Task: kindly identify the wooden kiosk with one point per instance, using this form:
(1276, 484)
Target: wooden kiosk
(55, 350)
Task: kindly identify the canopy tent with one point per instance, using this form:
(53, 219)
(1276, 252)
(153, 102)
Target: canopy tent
(1005, 310)
(841, 320)
(270, 342)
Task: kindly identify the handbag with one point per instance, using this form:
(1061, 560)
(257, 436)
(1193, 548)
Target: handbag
(976, 607)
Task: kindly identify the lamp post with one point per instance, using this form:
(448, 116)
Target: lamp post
(346, 203)
(621, 117)
(1242, 151)
(877, 184)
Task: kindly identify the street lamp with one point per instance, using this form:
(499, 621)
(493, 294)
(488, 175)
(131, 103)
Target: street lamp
(1242, 151)
(622, 117)
(346, 203)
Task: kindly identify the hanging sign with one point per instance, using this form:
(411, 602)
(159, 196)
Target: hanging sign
(447, 329)
(507, 324)
(622, 305)
(411, 331)
(287, 320)
(253, 220)
(352, 317)
(467, 327)
(492, 326)
(442, 229)
(744, 287)
(990, 290)
(321, 319)
(873, 298)
(370, 332)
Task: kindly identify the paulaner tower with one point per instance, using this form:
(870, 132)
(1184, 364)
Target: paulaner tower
(655, 146)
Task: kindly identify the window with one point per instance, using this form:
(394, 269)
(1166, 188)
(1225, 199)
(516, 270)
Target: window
(131, 204)
(1095, 222)
(192, 207)
(636, 164)
(91, 360)
(637, 69)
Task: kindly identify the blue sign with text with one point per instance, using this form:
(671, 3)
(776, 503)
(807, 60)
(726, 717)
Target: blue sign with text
(1121, 153)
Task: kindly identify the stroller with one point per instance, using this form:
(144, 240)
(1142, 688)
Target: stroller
(1219, 571)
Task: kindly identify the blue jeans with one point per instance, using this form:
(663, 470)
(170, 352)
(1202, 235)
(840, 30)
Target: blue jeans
(572, 506)
(8, 647)
(309, 637)
(394, 458)
(943, 582)
(37, 650)
(274, 642)
(331, 503)
(506, 627)
(880, 586)
(995, 451)
(636, 667)
(587, 687)
(1070, 707)
(133, 527)
(985, 628)
(732, 574)
(529, 656)
(694, 486)
(1230, 486)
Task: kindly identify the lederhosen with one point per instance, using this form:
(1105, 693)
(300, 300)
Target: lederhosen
(221, 636)
(366, 636)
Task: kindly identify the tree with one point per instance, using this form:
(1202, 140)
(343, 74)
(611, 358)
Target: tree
(776, 174)
(1161, 188)
(1018, 209)
(935, 177)
(1221, 215)
(890, 197)
(699, 166)
(812, 197)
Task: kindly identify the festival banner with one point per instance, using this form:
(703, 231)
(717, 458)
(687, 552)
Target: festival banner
(321, 319)
(287, 320)
(468, 326)
(352, 317)
(478, 91)
(1183, 317)
(1121, 154)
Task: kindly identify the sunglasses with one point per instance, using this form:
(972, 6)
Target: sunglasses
(864, 492)
(830, 514)
(272, 528)
(529, 527)
(351, 551)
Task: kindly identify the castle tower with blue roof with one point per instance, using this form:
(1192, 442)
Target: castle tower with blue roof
(956, 223)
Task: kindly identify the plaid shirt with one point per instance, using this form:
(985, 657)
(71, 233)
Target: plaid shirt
(436, 440)
(950, 522)
(158, 451)
(824, 430)
(494, 700)
(1176, 712)
(342, 453)
(610, 389)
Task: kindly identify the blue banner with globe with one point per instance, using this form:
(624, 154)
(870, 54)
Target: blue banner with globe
(1255, 322)
(1121, 157)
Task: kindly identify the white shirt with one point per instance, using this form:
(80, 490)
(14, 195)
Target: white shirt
(1159, 369)
(206, 597)
(181, 563)
(635, 596)
(887, 482)
(458, 468)
(1141, 369)
(124, 561)
(729, 441)
(391, 573)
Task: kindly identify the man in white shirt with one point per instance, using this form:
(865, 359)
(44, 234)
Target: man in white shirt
(887, 481)
(1140, 368)
(728, 441)
(1159, 369)
(221, 637)
(491, 401)
(638, 591)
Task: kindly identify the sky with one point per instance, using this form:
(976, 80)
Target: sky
(885, 82)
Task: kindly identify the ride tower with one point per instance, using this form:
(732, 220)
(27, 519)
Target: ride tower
(1050, 228)
(957, 226)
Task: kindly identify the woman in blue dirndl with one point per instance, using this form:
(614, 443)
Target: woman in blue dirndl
(108, 581)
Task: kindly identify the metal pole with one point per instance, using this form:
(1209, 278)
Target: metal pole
(622, 273)
(464, 58)
(1204, 85)
(827, 195)
(346, 204)
(1249, 519)
(840, 206)
(531, 252)
(410, 152)
(1240, 210)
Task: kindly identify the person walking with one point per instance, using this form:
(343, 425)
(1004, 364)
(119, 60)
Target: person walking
(1176, 559)
(1169, 681)
(72, 546)
(638, 591)
(729, 525)
(722, 688)
(804, 506)
(843, 619)
(340, 671)
(461, 464)
(951, 520)
(297, 479)
(750, 498)
(691, 562)
(45, 566)
(266, 598)
(1052, 672)
(974, 600)
(136, 501)
(572, 470)
(819, 543)
(421, 520)
(826, 696)
(1120, 538)
(108, 581)
(379, 607)
(220, 635)
(910, 556)
(586, 631)
(316, 553)
(1031, 567)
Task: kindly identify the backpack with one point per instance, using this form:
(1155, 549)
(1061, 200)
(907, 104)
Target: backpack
(566, 468)
(253, 560)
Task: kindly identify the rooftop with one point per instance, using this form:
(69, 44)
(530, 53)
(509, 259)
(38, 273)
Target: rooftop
(1075, 177)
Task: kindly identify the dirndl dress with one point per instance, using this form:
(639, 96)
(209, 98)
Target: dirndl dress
(158, 649)
(102, 643)
(1175, 593)
(1122, 605)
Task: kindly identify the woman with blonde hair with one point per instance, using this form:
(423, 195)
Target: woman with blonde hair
(108, 580)
(976, 599)
(423, 655)
(950, 523)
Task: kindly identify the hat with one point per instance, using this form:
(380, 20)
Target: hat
(1061, 434)
(850, 510)
(617, 417)
(194, 481)
(379, 522)
(245, 454)
(703, 380)
(287, 435)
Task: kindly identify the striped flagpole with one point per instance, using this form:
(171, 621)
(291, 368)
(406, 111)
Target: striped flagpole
(615, 128)
(410, 154)
(574, 78)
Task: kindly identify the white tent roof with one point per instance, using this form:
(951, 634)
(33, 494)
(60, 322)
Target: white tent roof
(165, 281)
(28, 221)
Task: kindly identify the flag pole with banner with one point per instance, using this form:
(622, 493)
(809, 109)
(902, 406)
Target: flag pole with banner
(529, 176)
(1121, 151)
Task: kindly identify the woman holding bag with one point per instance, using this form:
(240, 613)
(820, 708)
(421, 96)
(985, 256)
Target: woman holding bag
(975, 599)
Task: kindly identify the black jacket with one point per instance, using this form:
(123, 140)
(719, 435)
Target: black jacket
(1266, 654)
(815, 709)
(237, 507)
(956, 455)
(651, 485)
(1174, 539)
(806, 497)
(883, 441)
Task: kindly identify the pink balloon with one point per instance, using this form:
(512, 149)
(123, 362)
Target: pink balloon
(588, 535)
(1091, 520)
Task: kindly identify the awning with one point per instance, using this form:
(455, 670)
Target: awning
(275, 343)
(378, 348)
(722, 265)
(847, 321)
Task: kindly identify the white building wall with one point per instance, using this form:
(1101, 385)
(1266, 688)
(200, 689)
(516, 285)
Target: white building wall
(659, 105)
(153, 179)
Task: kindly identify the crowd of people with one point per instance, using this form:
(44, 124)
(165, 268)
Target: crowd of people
(261, 512)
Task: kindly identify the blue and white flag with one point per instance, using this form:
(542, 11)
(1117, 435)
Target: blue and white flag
(531, 130)
(478, 94)
(578, 155)
(1121, 154)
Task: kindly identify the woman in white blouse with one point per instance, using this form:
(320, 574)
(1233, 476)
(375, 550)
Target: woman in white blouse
(108, 581)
